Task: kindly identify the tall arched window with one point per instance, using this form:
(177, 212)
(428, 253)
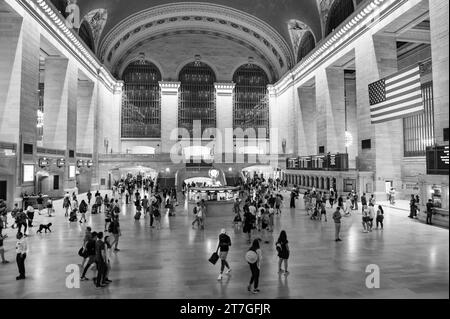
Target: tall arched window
(339, 11)
(141, 106)
(251, 103)
(85, 34)
(306, 45)
(197, 99)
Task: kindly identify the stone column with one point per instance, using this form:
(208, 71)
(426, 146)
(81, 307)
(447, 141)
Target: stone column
(307, 121)
(275, 144)
(439, 25)
(169, 112)
(60, 110)
(85, 116)
(331, 109)
(376, 58)
(352, 122)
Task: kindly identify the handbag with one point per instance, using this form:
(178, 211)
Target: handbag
(82, 252)
(214, 257)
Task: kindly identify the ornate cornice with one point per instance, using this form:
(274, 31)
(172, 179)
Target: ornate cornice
(224, 89)
(169, 88)
(212, 16)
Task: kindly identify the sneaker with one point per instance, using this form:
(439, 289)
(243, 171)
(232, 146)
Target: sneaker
(255, 291)
(220, 277)
(107, 281)
(228, 271)
(84, 279)
(249, 288)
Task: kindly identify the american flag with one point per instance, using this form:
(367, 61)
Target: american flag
(397, 96)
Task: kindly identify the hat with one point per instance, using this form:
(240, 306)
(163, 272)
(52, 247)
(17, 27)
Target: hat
(223, 231)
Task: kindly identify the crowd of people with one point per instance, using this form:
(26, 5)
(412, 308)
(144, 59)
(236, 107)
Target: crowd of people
(255, 211)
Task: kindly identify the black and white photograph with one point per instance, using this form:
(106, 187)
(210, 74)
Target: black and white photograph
(202, 153)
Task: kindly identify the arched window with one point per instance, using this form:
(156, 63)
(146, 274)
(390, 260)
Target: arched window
(85, 34)
(339, 11)
(306, 45)
(197, 99)
(251, 103)
(141, 106)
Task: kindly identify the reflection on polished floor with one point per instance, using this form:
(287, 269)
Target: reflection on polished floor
(173, 262)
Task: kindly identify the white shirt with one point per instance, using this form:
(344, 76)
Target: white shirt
(22, 246)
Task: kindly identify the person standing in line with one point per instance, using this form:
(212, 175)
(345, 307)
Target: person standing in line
(429, 211)
(253, 258)
(90, 252)
(224, 247)
(283, 252)
(21, 255)
(337, 223)
(2, 250)
(380, 217)
(100, 261)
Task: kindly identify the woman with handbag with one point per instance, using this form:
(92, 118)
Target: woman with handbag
(283, 252)
(253, 258)
(223, 248)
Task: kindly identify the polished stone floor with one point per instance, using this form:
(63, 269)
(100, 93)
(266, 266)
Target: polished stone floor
(173, 262)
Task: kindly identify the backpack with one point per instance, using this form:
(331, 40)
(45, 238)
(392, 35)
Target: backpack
(251, 257)
(195, 210)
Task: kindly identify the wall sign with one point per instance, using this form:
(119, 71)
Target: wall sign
(61, 162)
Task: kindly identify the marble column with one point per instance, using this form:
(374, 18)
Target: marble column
(169, 113)
(331, 109)
(307, 122)
(352, 122)
(376, 58)
(439, 26)
(275, 144)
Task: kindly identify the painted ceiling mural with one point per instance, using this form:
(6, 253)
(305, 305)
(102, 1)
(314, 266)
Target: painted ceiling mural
(297, 31)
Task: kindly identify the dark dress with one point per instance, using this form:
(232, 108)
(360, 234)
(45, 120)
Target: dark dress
(248, 223)
(283, 252)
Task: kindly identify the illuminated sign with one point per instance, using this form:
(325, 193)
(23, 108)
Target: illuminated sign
(28, 173)
(213, 173)
(72, 171)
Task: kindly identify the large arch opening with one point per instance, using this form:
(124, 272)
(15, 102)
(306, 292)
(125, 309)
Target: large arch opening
(307, 44)
(197, 100)
(141, 105)
(251, 104)
(339, 11)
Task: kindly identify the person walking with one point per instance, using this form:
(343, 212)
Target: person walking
(66, 204)
(283, 252)
(89, 197)
(87, 237)
(249, 221)
(83, 209)
(224, 247)
(49, 207)
(21, 220)
(348, 206)
(100, 261)
(21, 254)
(30, 215)
(380, 217)
(195, 211)
(337, 223)
(253, 258)
(90, 252)
(114, 230)
(371, 217)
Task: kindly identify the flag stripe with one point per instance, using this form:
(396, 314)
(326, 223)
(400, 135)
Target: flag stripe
(390, 88)
(406, 90)
(398, 108)
(399, 100)
(396, 117)
(403, 75)
(402, 71)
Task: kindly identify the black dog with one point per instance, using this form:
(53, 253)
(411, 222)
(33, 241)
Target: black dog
(42, 227)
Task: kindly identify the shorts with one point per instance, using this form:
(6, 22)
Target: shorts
(365, 219)
(223, 255)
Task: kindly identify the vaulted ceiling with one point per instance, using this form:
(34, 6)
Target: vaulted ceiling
(276, 13)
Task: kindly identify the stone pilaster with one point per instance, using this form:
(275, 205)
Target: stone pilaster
(169, 112)
(224, 106)
(331, 109)
(439, 10)
(85, 116)
(376, 58)
(307, 124)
